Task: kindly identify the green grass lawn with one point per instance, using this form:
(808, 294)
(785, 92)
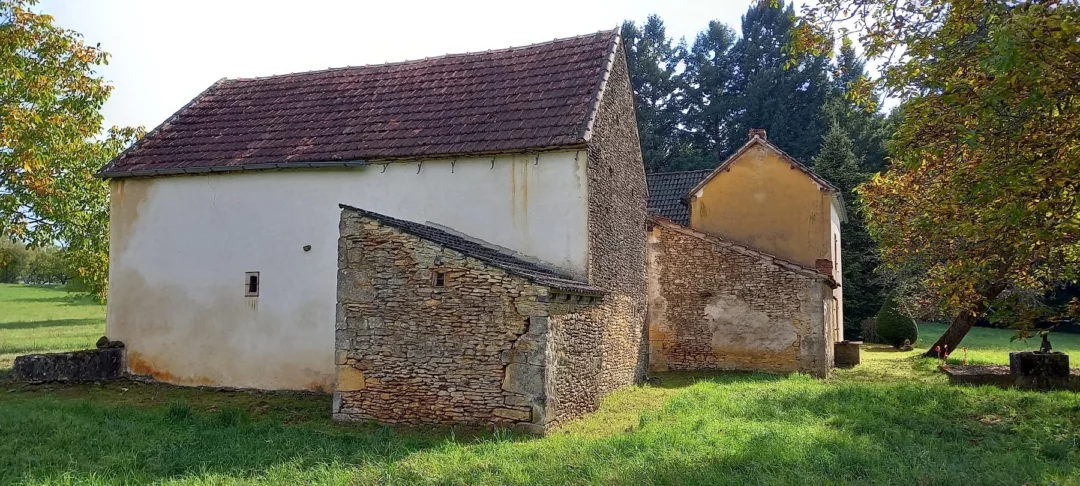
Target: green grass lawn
(893, 419)
(44, 319)
(992, 346)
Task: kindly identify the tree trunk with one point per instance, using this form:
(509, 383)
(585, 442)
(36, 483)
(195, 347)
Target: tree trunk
(959, 328)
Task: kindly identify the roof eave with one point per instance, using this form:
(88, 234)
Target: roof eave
(232, 168)
(601, 83)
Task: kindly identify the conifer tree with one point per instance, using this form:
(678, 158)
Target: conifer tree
(652, 58)
(709, 102)
(774, 89)
(863, 294)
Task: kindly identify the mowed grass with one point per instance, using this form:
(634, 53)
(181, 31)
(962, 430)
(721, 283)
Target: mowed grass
(44, 319)
(992, 346)
(891, 420)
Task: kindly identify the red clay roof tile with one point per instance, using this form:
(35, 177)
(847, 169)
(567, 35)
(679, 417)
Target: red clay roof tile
(537, 96)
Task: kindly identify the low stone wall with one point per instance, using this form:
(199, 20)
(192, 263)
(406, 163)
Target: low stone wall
(88, 365)
(1002, 377)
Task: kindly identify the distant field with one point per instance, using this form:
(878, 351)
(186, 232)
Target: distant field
(44, 319)
(893, 419)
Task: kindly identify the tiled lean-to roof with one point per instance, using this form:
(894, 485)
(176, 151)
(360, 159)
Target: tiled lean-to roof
(532, 97)
(667, 190)
(542, 274)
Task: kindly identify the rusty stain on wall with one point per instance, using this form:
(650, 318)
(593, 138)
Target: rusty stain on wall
(127, 197)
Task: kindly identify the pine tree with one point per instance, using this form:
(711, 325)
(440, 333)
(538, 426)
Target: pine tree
(869, 130)
(652, 59)
(863, 291)
(709, 102)
(775, 90)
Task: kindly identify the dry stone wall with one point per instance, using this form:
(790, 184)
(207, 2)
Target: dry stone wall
(470, 352)
(475, 346)
(602, 349)
(712, 306)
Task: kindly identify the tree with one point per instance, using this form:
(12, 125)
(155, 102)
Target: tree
(863, 291)
(868, 128)
(709, 103)
(983, 192)
(652, 59)
(50, 101)
(776, 89)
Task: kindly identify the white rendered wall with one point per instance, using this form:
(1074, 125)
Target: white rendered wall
(838, 268)
(180, 247)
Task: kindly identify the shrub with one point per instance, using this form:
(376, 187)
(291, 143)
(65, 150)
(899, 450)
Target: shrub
(868, 330)
(893, 326)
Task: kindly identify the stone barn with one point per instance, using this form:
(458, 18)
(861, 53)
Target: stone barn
(436, 326)
(741, 265)
(508, 185)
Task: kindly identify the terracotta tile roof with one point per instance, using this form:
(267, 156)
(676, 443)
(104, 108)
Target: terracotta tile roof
(666, 191)
(532, 97)
(534, 271)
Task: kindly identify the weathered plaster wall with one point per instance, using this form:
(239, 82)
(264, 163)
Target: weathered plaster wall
(763, 203)
(838, 263)
(473, 351)
(713, 305)
(601, 349)
(180, 247)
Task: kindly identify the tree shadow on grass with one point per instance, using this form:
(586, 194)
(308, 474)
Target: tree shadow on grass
(48, 323)
(804, 433)
(65, 299)
(682, 379)
(133, 432)
(721, 428)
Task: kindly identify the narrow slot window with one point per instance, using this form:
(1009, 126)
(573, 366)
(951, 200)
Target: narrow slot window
(251, 284)
(439, 279)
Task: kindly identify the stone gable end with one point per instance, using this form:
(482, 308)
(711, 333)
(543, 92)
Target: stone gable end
(428, 335)
(712, 307)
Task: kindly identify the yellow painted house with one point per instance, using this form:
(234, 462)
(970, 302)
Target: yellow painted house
(762, 198)
(775, 211)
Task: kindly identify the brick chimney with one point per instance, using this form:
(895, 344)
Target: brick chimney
(824, 265)
(758, 132)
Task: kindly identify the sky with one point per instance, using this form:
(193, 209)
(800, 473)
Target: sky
(164, 53)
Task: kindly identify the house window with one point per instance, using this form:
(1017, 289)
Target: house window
(251, 284)
(439, 279)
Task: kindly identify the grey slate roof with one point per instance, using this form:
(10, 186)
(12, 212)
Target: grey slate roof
(538, 273)
(666, 190)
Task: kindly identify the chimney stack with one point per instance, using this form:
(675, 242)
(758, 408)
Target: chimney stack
(758, 132)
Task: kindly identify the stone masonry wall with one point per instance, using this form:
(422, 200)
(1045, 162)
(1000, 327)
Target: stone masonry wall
(712, 306)
(471, 352)
(600, 349)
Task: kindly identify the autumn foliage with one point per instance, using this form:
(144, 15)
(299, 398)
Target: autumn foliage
(51, 140)
(983, 194)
